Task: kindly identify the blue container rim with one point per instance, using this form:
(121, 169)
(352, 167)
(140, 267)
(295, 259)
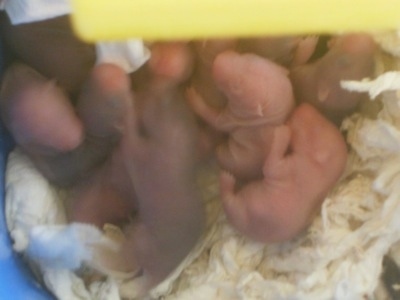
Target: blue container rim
(16, 279)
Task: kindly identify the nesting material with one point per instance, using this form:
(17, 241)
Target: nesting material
(339, 257)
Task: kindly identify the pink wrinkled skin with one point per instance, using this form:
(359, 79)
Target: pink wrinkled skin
(277, 167)
(259, 97)
(307, 157)
(242, 79)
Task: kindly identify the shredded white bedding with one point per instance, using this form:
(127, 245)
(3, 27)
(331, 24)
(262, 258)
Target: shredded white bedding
(339, 257)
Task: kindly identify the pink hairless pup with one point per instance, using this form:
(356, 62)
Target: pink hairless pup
(306, 158)
(126, 152)
(232, 93)
(283, 159)
(251, 111)
(151, 174)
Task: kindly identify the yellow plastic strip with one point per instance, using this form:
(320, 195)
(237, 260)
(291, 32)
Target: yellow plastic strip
(188, 19)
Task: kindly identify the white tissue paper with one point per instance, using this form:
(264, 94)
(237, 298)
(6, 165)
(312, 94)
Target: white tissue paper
(25, 11)
(37, 225)
(130, 55)
(64, 246)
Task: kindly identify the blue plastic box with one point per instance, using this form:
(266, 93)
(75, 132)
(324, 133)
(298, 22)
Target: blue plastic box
(16, 280)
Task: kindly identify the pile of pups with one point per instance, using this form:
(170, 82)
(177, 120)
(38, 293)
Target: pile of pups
(352, 232)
